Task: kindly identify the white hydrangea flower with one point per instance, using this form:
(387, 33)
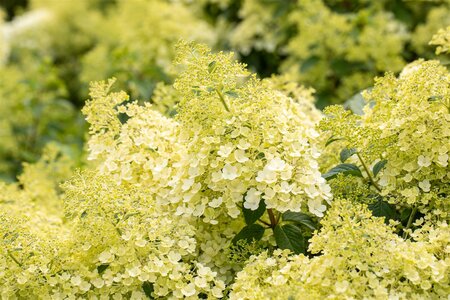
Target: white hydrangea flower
(229, 172)
(425, 185)
(252, 199)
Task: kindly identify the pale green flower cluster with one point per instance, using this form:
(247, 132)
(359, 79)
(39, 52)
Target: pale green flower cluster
(31, 226)
(407, 124)
(112, 240)
(253, 145)
(437, 18)
(145, 152)
(127, 243)
(442, 40)
(414, 110)
(361, 258)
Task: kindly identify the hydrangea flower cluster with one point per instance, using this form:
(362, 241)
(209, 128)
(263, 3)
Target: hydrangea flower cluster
(223, 153)
(406, 124)
(252, 145)
(442, 40)
(361, 257)
(129, 244)
(414, 109)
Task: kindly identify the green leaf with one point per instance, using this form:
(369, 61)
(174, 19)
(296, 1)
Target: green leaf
(299, 218)
(378, 167)
(260, 155)
(383, 209)
(434, 98)
(290, 237)
(346, 169)
(309, 63)
(232, 94)
(252, 215)
(331, 140)
(102, 268)
(404, 216)
(347, 153)
(249, 233)
(148, 289)
(212, 66)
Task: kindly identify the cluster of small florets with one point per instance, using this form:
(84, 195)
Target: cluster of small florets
(414, 109)
(145, 152)
(252, 145)
(132, 143)
(407, 123)
(360, 257)
(126, 242)
(113, 240)
(442, 40)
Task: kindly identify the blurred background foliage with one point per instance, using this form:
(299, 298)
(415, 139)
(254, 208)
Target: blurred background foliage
(50, 50)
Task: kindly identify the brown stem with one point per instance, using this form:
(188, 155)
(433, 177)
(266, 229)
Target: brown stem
(264, 222)
(273, 221)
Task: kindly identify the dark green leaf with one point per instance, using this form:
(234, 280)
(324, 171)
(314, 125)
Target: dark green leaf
(309, 63)
(148, 289)
(331, 140)
(232, 94)
(83, 214)
(347, 153)
(102, 268)
(123, 118)
(249, 233)
(434, 98)
(299, 218)
(290, 237)
(211, 66)
(342, 67)
(252, 215)
(378, 167)
(346, 169)
(383, 209)
(404, 216)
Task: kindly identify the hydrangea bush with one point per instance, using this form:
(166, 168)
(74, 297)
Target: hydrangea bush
(201, 180)
(226, 199)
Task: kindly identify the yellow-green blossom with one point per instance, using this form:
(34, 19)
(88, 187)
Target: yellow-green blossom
(360, 257)
(245, 141)
(442, 40)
